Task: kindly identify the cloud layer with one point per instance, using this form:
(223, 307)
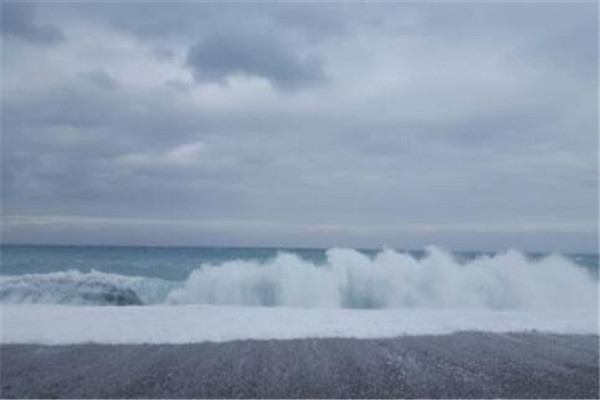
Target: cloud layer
(18, 20)
(465, 125)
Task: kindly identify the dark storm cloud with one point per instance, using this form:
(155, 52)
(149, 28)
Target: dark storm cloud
(219, 57)
(465, 125)
(19, 20)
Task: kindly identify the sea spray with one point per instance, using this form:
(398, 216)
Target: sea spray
(83, 288)
(345, 278)
(390, 279)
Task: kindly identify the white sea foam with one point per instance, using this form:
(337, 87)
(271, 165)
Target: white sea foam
(350, 279)
(82, 288)
(57, 324)
(347, 279)
(435, 294)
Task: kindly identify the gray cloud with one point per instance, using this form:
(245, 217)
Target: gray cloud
(219, 57)
(462, 129)
(100, 78)
(18, 20)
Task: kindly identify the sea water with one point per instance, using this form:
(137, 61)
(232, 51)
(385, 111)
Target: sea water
(344, 278)
(77, 294)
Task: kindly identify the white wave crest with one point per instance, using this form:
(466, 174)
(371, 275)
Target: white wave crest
(350, 279)
(79, 288)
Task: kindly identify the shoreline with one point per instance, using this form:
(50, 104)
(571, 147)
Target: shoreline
(167, 324)
(465, 365)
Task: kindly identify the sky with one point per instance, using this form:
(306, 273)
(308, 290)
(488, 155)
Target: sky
(469, 126)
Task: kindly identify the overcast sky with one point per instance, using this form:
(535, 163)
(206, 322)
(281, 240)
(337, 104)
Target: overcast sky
(466, 125)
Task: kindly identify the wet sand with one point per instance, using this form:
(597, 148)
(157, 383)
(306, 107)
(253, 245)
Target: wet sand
(462, 365)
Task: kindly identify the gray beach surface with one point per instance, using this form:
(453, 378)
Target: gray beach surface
(462, 365)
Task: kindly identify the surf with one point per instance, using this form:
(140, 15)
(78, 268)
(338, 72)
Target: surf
(346, 278)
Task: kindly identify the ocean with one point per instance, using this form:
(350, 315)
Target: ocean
(313, 278)
(83, 294)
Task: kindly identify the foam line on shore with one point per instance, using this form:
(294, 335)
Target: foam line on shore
(53, 324)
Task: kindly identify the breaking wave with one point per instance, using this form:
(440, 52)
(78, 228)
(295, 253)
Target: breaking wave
(82, 288)
(347, 279)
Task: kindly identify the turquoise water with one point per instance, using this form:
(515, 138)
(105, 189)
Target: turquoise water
(176, 263)
(171, 263)
(344, 278)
